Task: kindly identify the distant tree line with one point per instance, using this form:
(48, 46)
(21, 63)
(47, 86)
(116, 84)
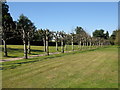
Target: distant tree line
(24, 30)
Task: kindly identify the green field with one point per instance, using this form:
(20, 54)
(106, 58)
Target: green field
(96, 68)
(18, 50)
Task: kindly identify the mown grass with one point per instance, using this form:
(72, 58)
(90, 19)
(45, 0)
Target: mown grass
(14, 64)
(96, 68)
(17, 50)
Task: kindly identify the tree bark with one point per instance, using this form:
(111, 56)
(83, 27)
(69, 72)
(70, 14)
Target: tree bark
(5, 45)
(99, 43)
(25, 46)
(29, 49)
(90, 45)
(47, 46)
(44, 42)
(62, 46)
(25, 50)
(65, 46)
(87, 44)
(72, 43)
(83, 45)
(5, 48)
(80, 46)
(56, 44)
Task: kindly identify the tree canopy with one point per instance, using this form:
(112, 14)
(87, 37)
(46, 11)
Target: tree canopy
(80, 30)
(100, 33)
(8, 25)
(115, 37)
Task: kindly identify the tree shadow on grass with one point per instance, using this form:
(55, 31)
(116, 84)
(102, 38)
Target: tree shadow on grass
(14, 50)
(12, 56)
(15, 64)
(19, 63)
(36, 52)
(33, 50)
(18, 53)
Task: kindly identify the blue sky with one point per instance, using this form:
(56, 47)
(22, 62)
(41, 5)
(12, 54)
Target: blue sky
(66, 16)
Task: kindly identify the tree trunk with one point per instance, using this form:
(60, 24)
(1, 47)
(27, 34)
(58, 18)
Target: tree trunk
(87, 45)
(99, 43)
(80, 46)
(83, 45)
(25, 46)
(72, 43)
(56, 45)
(47, 46)
(93, 45)
(25, 50)
(96, 44)
(62, 46)
(29, 50)
(4, 42)
(5, 48)
(44, 42)
(65, 46)
(90, 45)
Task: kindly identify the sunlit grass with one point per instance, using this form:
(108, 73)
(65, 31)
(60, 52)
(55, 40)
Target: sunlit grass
(18, 51)
(96, 68)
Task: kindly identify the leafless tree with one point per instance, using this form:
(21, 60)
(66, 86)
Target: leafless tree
(47, 42)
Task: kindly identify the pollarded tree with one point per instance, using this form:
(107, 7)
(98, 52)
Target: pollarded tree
(72, 41)
(82, 42)
(88, 41)
(56, 36)
(93, 42)
(8, 26)
(67, 40)
(78, 38)
(42, 34)
(47, 41)
(23, 26)
(96, 42)
(99, 41)
(62, 36)
(81, 35)
(84, 39)
(30, 35)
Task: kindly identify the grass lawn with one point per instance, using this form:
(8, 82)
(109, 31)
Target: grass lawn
(80, 69)
(17, 50)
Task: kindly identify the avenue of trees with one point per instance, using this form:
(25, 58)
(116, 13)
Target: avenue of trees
(25, 30)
